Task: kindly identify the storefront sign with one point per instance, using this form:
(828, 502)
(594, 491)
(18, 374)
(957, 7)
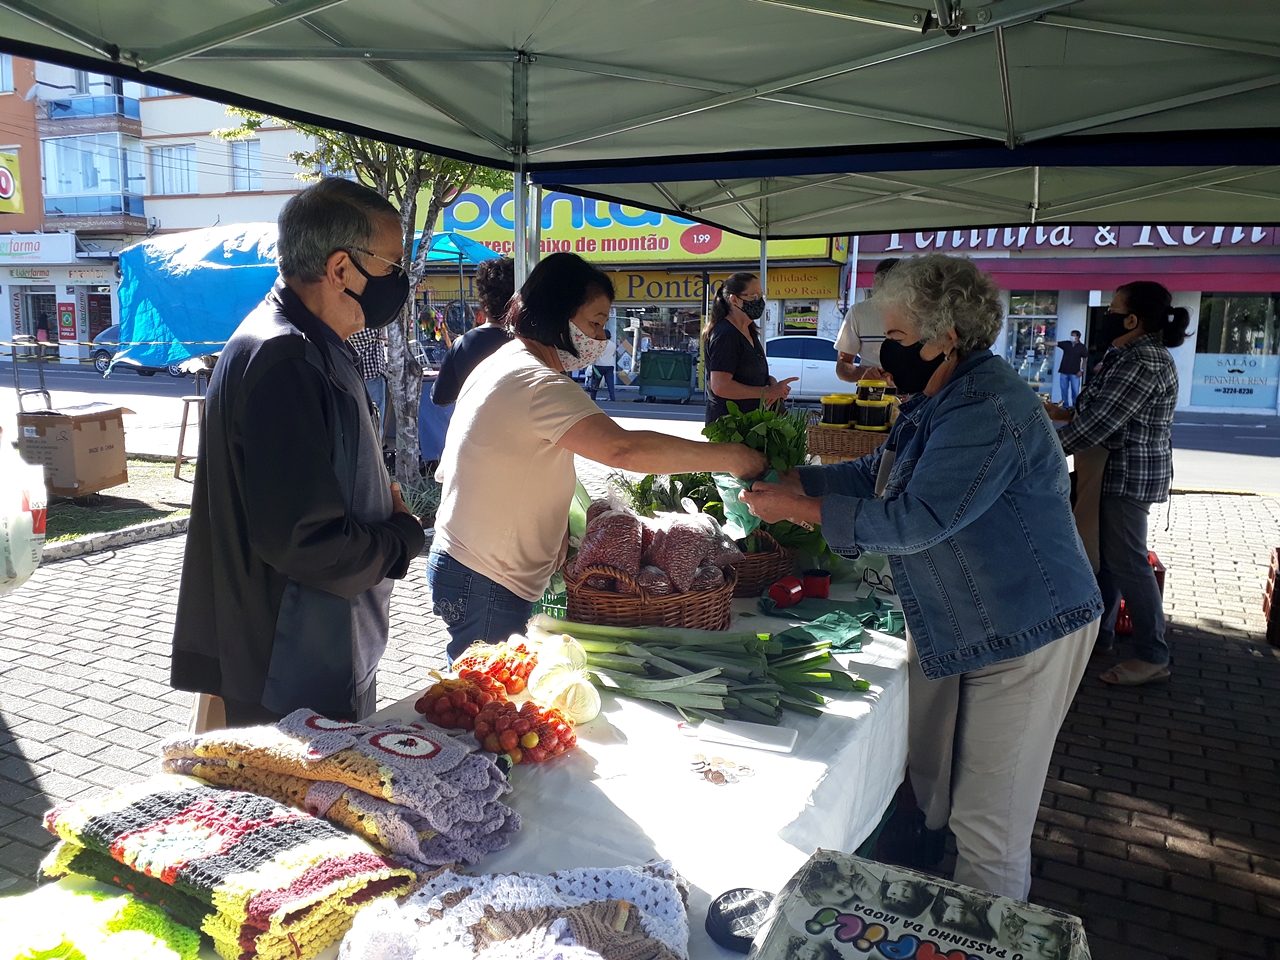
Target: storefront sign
(66, 321)
(29, 273)
(646, 286)
(612, 233)
(1235, 380)
(38, 248)
(1080, 239)
(90, 273)
(10, 184)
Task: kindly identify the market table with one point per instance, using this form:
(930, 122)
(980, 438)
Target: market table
(627, 793)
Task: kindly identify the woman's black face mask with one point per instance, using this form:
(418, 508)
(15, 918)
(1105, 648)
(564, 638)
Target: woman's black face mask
(911, 373)
(1111, 327)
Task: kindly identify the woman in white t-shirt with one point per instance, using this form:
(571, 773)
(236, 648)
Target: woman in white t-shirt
(507, 467)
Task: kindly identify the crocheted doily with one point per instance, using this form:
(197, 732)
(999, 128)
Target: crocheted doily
(436, 920)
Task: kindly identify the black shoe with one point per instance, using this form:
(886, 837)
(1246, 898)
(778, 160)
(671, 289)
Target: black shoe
(907, 842)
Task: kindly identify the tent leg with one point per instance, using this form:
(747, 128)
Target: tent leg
(521, 217)
(764, 279)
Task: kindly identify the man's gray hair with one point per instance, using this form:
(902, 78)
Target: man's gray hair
(937, 293)
(334, 214)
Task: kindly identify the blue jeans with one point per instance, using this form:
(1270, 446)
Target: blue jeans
(606, 378)
(472, 606)
(1069, 387)
(1126, 572)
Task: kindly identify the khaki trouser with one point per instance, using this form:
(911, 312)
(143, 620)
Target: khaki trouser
(979, 746)
(1090, 466)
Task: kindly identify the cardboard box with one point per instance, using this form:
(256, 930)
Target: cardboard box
(81, 448)
(841, 907)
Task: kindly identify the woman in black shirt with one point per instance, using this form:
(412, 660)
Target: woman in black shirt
(737, 369)
(495, 284)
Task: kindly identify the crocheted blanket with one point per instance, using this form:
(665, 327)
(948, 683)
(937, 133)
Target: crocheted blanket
(274, 882)
(59, 921)
(621, 913)
(411, 788)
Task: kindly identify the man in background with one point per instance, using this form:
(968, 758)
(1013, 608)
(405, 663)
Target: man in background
(1071, 369)
(862, 334)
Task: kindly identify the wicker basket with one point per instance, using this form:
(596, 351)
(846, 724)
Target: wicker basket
(758, 571)
(833, 444)
(701, 609)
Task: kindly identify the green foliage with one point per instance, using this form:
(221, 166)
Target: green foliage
(656, 493)
(423, 500)
(781, 437)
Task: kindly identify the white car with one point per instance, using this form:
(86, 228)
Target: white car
(812, 360)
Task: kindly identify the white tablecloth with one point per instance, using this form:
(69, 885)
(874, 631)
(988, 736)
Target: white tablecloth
(627, 794)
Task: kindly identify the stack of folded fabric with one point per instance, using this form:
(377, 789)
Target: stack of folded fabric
(620, 913)
(260, 879)
(61, 922)
(425, 797)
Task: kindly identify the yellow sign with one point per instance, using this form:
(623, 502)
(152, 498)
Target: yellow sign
(645, 286)
(10, 184)
(612, 233)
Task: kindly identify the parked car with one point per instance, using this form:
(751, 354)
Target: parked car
(107, 343)
(812, 360)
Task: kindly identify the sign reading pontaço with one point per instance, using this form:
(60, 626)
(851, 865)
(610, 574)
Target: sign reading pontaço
(650, 286)
(613, 233)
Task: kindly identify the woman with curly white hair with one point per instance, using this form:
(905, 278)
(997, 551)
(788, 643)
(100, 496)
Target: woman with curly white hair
(969, 498)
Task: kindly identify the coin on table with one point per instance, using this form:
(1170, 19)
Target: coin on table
(716, 777)
(745, 771)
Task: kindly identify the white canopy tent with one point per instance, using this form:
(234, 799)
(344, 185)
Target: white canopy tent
(784, 118)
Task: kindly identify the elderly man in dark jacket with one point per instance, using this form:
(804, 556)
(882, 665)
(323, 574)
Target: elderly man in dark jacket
(296, 530)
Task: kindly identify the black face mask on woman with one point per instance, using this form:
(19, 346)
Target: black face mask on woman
(382, 298)
(754, 309)
(1112, 327)
(910, 372)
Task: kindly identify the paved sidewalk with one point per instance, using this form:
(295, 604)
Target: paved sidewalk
(1161, 817)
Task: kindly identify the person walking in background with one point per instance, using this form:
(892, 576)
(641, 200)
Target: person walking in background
(1121, 434)
(604, 366)
(370, 347)
(862, 334)
(495, 284)
(1074, 356)
(297, 533)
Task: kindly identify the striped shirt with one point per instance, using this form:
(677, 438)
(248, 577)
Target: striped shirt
(1128, 408)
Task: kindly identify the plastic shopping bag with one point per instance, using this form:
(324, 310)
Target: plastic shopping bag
(23, 502)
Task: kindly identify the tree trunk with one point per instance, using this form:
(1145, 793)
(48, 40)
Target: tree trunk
(404, 372)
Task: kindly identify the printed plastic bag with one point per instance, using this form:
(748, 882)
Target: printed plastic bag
(612, 539)
(682, 543)
(23, 502)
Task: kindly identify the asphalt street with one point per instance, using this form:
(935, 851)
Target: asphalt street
(1212, 451)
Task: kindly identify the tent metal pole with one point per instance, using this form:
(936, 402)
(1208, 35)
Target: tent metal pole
(520, 157)
(764, 266)
(535, 229)
(235, 30)
(36, 13)
(1010, 137)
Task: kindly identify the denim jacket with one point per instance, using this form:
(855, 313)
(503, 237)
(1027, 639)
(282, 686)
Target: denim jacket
(975, 518)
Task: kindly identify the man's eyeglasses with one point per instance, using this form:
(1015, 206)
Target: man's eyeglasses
(397, 267)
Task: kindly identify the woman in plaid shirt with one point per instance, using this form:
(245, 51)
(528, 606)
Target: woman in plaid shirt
(1127, 408)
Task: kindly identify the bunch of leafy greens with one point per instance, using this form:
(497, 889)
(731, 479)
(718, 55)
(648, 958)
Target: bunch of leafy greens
(781, 437)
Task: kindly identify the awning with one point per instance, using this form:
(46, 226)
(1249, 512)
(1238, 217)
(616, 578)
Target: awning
(1226, 274)
(786, 117)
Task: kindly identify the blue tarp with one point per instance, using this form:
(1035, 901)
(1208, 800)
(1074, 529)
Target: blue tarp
(184, 294)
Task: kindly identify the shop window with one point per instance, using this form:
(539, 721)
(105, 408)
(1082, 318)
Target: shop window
(246, 165)
(1237, 360)
(173, 170)
(800, 317)
(6, 73)
(1032, 336)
